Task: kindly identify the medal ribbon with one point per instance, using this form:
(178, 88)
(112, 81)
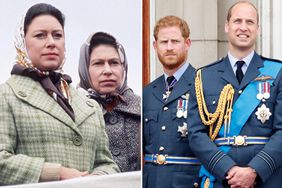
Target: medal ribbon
(171, 85)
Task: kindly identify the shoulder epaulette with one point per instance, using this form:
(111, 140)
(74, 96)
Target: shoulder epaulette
(271, 59)
(211, 64)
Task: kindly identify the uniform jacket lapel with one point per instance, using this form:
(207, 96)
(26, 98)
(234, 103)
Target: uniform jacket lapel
(159, 88)
(252, 71)
(183, 85)
(227, 73)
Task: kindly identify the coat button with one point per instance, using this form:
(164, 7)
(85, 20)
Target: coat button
(161, 148)
(163, 128)
(240, 91)
(22, 94)
(213, 102)
(165, 108)
(196, 184)
(90, 103)
(113, 120)
(146, 120)
(115, 152)
(77, 140)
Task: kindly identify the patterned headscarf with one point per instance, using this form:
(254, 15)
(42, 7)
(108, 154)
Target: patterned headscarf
(22, 57)
(85, 80)
(55, 83)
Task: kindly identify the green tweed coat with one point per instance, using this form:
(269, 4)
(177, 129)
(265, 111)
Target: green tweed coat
(34, 129)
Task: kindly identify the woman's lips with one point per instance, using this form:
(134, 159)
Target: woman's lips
(108, 82)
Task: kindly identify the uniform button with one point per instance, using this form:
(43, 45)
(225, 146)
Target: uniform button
(240, 91)
(196, 184)
(90, 103)
(213, 102)
(22, 94)
(77, 140)
(161, 148)
(165, 108)
(113, 120)
(163, 128)
(146, 120)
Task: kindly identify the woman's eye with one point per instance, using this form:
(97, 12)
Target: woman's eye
(114, 62)
(40, 35)
(57, 36)
(98, 63)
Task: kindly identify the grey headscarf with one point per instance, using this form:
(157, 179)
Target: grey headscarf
(83, 68)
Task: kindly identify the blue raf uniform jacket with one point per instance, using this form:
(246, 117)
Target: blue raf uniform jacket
(161, 136)
(265, 159)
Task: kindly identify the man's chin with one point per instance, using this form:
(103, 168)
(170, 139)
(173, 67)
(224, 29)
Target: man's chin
(244, 47)
(172, 66)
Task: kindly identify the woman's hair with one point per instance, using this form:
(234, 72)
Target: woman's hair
(101, 38)
(42, 9)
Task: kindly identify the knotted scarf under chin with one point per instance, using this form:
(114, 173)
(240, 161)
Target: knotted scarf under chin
(51, 83)
(108, 101)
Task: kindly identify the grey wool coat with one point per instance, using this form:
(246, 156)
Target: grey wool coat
(123, 128)
(34, 129)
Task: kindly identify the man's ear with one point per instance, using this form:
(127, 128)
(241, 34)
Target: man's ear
(226, 27)
(155, 44)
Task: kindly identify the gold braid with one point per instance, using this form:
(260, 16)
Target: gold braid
(223, 109)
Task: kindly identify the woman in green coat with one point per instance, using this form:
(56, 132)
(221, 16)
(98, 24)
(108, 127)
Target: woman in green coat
(48, 131)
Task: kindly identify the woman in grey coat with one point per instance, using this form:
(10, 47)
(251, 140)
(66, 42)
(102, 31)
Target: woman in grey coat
(103, 74)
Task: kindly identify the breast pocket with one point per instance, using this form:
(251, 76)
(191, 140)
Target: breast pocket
(150, 124)
(179, 127)
(211, 102)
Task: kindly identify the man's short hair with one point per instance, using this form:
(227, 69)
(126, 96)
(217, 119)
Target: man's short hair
(169, 21)
(229, 13)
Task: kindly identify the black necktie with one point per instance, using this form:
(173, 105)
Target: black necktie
(170, 82)
(239, 72)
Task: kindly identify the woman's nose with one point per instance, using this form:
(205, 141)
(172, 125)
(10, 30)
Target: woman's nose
(50, 41)
(107, 68)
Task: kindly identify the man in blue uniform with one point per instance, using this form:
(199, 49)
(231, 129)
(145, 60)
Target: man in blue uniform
(235, 113)
(168, 159)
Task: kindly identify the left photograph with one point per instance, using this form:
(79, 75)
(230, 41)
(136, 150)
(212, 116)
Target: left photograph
(70, 106)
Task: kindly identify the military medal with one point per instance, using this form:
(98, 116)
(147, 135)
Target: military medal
(263, 113)
(185, 108)
(186, 105)
(263, 87)
(166, 95)
(179, 112)
(260, 90)
(183, 130)
(266, 90)
(168, 89)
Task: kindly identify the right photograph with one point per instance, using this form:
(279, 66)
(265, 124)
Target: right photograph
(212, 94)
